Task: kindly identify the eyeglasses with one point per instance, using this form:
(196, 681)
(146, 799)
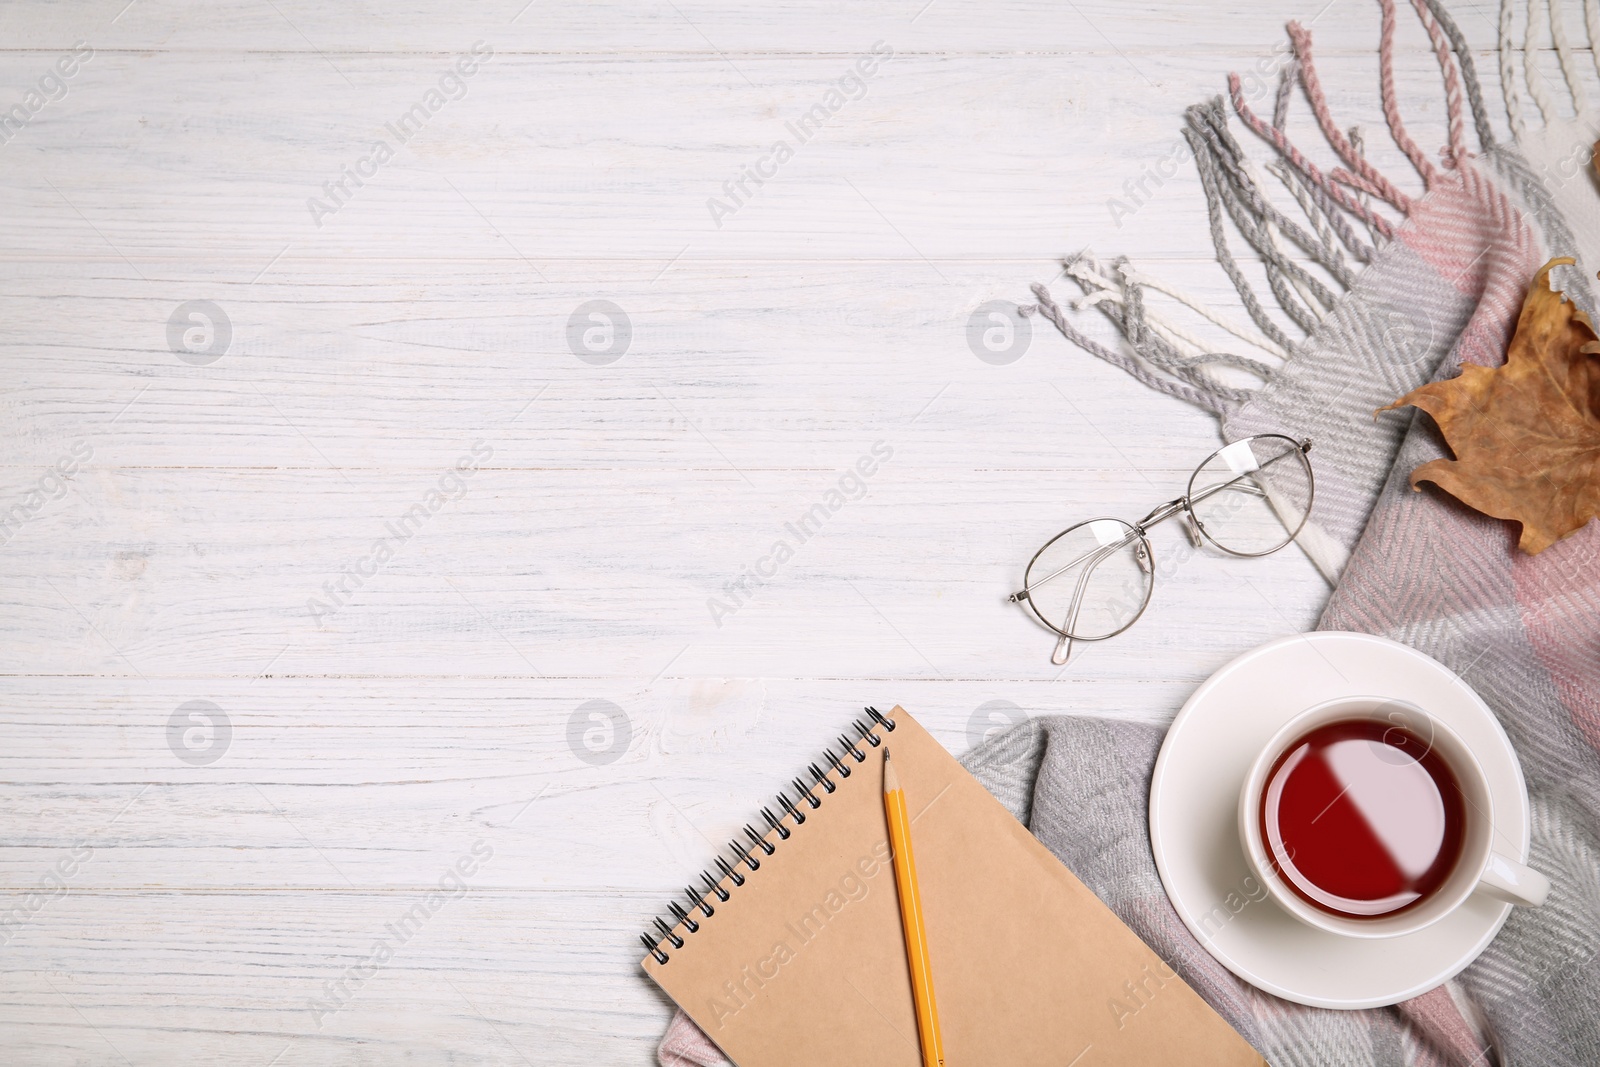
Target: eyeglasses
(1093, 580)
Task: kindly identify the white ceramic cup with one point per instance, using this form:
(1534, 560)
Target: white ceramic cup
(1480, 868)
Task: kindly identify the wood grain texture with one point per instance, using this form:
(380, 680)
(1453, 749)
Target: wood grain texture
(445, 701)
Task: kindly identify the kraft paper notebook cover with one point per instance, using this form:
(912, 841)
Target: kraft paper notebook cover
(804, 964)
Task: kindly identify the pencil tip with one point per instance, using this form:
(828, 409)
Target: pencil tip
(886, 753)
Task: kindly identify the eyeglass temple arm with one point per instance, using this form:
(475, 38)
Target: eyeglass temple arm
(1063, 649)
(1022, 595)
(1220, 486)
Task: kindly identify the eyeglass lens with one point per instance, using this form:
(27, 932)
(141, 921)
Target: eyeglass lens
(1092, 580)
(1251, 497)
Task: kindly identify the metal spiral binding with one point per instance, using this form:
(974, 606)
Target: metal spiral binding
(805, 794)
(777, 824)
(793, 810)
(683, 917)
(700, 900)
(761, 842)
(730, 873)
(715, 886)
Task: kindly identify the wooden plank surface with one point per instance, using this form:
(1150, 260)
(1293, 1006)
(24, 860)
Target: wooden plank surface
(229, 765)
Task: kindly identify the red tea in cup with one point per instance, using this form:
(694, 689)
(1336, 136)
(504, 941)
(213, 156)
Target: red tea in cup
(1362, 818)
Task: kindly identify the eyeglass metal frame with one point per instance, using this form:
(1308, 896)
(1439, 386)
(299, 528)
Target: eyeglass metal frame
(1193, 526)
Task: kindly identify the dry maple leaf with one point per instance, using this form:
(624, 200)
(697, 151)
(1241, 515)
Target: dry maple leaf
(1526, 435)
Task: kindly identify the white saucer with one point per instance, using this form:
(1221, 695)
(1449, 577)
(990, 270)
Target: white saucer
(1194, 826)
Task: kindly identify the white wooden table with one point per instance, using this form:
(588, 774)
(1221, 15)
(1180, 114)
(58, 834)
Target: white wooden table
(189, 883)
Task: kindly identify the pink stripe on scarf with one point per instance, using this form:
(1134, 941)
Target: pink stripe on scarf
(1559, 594)
(685, 1045)
(1436, 1017)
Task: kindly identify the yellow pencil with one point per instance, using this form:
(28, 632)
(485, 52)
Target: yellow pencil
(905, 880)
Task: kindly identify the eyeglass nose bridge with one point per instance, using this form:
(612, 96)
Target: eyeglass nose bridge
(1162, 512)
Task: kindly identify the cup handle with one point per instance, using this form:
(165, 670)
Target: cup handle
(1513, 882)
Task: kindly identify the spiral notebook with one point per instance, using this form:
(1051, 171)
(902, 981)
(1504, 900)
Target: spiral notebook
(793, 956)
